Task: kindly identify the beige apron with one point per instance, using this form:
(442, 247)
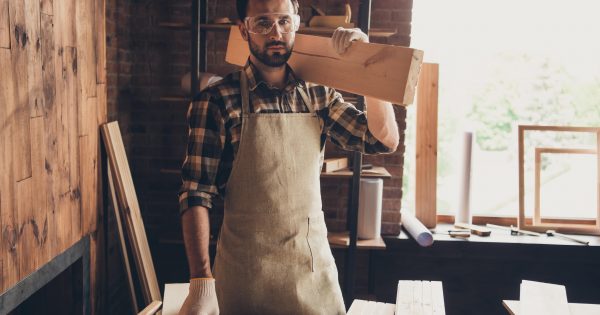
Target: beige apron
(272, 255)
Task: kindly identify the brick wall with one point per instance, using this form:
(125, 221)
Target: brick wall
(146, 62)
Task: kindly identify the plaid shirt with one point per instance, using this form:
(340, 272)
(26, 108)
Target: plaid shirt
(215, 127)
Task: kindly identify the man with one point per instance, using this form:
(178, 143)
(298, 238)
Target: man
(256, 138)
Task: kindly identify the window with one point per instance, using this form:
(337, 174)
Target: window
(504, 63)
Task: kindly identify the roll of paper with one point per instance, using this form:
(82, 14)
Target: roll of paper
(416, 229)
(369, 208)
(463, 213)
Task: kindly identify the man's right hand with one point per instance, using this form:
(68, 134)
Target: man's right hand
(201, 299)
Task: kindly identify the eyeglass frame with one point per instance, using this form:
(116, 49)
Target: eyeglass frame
(295, 17)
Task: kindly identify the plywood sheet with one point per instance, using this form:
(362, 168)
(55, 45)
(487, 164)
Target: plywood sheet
(4, 25)
(381, 71)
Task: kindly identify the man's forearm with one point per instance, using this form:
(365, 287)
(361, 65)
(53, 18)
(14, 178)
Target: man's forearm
(381, 121)
(196, 236)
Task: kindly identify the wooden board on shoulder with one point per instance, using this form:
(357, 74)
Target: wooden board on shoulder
(381, 71)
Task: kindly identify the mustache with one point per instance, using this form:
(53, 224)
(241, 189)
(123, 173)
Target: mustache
(276, 43)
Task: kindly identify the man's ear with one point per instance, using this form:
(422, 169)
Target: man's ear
(243, 31)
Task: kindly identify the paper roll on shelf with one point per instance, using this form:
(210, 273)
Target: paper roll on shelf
(463, 213)
(369, 208)
(416, 229)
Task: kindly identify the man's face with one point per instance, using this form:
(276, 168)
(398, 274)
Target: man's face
(273, 49)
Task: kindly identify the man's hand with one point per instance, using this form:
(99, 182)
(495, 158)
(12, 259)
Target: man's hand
(343, 37)
(201, 299)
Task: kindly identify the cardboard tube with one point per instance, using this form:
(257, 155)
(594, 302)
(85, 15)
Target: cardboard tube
(463, 213)
(416, 229)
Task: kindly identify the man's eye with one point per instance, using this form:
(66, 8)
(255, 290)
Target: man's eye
(264, 23)
(284, 22)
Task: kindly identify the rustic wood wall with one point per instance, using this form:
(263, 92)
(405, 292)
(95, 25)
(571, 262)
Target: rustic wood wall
(52, 100)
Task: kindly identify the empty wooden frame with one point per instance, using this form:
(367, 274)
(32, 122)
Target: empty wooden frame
(381, 71)
(537, 224)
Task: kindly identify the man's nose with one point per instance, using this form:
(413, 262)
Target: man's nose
(275, 33)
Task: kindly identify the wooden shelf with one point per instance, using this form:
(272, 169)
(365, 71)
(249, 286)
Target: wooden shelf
(375, 172)
(342, 240)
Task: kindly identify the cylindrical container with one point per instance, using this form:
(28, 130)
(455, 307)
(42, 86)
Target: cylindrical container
(416, 229)
(463, 212)
(369, 208)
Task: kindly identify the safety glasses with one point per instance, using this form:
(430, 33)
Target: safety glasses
(263, 24)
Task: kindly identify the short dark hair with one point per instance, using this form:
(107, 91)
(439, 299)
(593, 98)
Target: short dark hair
(242, 8)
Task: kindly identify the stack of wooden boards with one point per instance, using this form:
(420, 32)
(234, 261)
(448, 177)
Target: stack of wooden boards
(412, 297)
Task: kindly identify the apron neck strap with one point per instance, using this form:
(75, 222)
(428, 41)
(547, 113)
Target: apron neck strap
(244, 91)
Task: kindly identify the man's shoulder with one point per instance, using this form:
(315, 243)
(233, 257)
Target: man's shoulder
(222, 88)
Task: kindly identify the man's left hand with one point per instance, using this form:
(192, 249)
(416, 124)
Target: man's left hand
(343, 37)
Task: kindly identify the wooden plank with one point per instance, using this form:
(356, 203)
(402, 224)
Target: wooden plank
(475, 229)
(19, 107)
(416, 308)
(4, 25)
(40, 253)
(404, 297)
(334, 164)
(100, 40)
(8, 220)
(386, 72)
(64, 19)
(543, 298)
(46, 6)
(129, 204)
(342, 240)
(121, 231)
(34, 57)
(152, 308)
(426, 145)
(71, 102)
(437, 298)
(85, 23)
(28, 230)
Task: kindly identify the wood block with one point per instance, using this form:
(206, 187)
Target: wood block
(419, 297)
(426, 146)
(475, 229)
(385, 72)
(543, 298)
(334, 164)
(361, 307)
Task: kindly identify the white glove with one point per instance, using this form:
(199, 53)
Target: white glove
(343, 37)
(201, 299)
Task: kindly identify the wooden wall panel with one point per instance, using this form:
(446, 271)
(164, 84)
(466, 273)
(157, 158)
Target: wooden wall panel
(4, 26)
(53, 100)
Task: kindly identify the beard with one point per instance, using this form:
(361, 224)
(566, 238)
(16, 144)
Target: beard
(277, 59)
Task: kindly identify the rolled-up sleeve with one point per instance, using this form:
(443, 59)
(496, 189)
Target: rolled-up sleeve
(347, 126)
(204, 148)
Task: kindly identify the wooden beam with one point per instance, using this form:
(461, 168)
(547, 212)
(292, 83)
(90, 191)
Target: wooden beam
(385, 72)
(426, 145)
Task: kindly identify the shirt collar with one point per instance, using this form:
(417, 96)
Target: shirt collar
(255, 79)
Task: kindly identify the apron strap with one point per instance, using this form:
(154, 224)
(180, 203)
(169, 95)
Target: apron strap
(306, 99)
(244, 92)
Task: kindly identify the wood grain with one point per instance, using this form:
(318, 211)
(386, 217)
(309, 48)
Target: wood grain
(426, 145)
